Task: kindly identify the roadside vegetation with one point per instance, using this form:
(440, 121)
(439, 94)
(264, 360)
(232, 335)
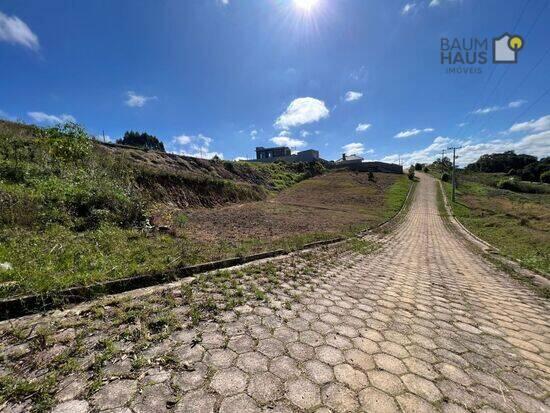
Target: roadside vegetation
(75, 212)
(511, 214)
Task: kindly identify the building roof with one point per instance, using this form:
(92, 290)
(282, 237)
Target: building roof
(350, 158)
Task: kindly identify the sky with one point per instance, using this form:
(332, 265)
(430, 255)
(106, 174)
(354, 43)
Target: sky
(220, 77)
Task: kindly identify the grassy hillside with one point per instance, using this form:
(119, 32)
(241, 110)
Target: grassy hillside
(517, 223)
(75, 212)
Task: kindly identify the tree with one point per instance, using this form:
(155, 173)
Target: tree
(418, 166)
(501, 162)
(141, 140)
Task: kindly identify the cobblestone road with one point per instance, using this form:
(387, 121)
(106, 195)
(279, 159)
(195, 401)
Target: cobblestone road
(423, 324)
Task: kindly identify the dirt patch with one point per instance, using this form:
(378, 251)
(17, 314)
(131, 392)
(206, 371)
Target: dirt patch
(335, 203)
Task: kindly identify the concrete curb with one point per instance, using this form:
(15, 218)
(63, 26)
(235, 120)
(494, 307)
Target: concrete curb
(511, 263)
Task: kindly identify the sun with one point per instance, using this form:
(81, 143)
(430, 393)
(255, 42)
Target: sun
(306, 5)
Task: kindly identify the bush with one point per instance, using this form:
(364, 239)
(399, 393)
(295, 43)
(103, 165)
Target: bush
(545, 177)
(445, 177)
(512, 184)
(425, 169)
(418, 166)
(411, 172)
(371, 176)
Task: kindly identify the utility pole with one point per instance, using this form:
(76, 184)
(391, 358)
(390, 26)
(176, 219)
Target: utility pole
(442, 163)
(453, 173)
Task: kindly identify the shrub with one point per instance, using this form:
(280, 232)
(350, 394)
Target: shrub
(411, 172)
(425, 169)
(418, 166)
(445, 177)
(512, 172)
(545, 177)
(371, 176)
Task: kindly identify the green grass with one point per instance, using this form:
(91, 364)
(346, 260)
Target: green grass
(515, 223)
(396, 195)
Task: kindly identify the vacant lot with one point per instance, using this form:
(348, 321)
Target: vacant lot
(58, 254)
(516, 223)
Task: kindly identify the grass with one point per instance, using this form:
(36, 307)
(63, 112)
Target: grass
(73, 212)
(516, 223)
(58, 257)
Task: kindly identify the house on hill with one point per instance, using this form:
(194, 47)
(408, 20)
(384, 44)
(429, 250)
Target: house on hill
(349, 159)
(283, 153)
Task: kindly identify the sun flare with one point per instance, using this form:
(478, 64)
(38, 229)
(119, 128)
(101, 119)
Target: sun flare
(306, 5)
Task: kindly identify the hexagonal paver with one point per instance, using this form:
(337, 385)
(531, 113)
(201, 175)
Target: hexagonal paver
(252, 362)
(241, 344)
(72, 406)
(375, 401)
(197, 401)
(311, 338)
(366, 345)
(329, 355)
(385, 381)
(454, 373)
(265, 387)
(410, 403)
(300, 351)
(271, 347)
(219, 358)
(303, 393)
(319, 372)
(339, 398)
(240, 403)
(284, 367)
(192, 378)
(228, 382)
(115, 394)
(389, 363)
(351, 377)
(359, 359)
(422, 387)
(421, 368)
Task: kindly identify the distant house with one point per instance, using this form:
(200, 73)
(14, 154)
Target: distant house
(283, 153)
(349, 159)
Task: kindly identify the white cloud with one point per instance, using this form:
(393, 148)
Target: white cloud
(408, 8)
(435, 3)
(354, 148)
(461, 125)
(224, 2)
(362, 127)
(304, 134)
(253, 134)
(538, 125)
(412, 132)
(197, 146)
(517, 103)
(182, 139)
(42, 117)
(287, 141)
(351, 96)
(536, 144)
(134, 100)
(14, 30)
(486, 110)
(489, 109)
(302, 111)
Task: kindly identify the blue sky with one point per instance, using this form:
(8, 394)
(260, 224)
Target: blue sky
(224, 76)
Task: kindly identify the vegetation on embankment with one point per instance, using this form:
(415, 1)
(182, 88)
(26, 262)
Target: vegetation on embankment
(518, 224)
(75, 212)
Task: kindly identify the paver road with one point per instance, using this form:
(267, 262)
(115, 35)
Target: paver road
(424, 324)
